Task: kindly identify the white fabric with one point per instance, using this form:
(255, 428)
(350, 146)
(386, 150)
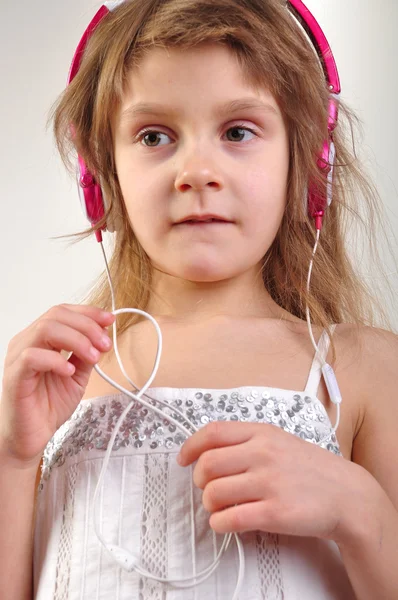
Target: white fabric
(150, 507)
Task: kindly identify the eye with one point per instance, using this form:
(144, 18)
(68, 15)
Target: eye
(238, 133)
(151, 136)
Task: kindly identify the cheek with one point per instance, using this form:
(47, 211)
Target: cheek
(143, 200)
(265, 191)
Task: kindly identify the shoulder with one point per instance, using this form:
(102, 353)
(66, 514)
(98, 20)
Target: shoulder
(371, 352)
(367, 363)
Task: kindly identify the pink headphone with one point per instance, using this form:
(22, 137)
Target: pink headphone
(90, 191)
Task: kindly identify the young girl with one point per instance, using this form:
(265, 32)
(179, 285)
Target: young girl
(203, 121)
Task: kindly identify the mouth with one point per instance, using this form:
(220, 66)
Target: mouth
(203, 222)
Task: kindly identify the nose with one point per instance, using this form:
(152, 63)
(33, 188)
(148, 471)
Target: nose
(197, 173)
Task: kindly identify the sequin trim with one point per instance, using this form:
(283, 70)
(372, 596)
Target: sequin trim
(93, 422)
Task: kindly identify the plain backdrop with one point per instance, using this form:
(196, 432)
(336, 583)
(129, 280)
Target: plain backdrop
(39, 199)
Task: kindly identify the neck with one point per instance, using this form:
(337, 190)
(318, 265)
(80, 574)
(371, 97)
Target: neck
(241, 297)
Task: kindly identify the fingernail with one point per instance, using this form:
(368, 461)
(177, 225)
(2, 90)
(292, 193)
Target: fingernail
(179, 459)
(106, 341)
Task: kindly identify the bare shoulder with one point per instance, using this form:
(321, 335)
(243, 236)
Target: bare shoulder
(371, 352)
(367, 363)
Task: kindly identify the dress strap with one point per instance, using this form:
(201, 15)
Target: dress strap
(315, 374)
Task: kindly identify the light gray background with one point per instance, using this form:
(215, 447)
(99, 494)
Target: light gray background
(39, 199)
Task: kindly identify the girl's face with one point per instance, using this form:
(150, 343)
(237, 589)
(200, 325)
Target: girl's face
(192, 139)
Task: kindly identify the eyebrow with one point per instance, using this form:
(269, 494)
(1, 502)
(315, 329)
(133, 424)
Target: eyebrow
(147, 108)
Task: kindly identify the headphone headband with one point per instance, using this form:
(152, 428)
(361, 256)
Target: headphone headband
(92, 199)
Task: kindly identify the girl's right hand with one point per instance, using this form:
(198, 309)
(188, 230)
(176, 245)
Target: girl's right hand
(39, 392)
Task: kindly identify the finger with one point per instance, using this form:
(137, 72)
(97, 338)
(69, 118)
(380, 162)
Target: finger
(102, 317)
(38, 360)
(69, 332)
(82, 319)
(217, 435)
(252, 516)
(228, 491)
(222, 462)
(90, 320)
(53, 335)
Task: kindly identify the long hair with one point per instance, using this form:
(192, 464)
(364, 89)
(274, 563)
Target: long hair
(272, 50)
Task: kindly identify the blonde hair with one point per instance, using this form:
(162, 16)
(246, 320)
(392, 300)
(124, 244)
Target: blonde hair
(273, 50)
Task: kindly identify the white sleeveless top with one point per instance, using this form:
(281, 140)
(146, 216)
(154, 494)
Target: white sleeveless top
(150, 507)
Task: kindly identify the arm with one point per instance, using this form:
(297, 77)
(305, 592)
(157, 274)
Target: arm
(369, 542)
(17, 495)
(41, 390)
(371, 558)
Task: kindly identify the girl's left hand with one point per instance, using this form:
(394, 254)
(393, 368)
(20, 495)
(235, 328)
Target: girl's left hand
(257, 476)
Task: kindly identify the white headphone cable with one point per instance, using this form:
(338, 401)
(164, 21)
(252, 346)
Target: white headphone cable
(125, 559)
(327, 370)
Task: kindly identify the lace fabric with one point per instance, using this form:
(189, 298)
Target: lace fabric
(269, 566)
(62, 578)
(154, 526)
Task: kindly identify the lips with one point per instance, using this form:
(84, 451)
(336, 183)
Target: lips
(204, 221)
(198, 219)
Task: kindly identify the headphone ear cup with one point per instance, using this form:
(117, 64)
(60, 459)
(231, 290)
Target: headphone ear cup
(90, 194)
(318, 201)
(316, 204)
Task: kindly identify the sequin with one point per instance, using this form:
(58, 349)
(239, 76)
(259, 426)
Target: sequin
(91, 426)
(180, 439)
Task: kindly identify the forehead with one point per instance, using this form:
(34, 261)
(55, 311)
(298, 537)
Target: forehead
(203, 75)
